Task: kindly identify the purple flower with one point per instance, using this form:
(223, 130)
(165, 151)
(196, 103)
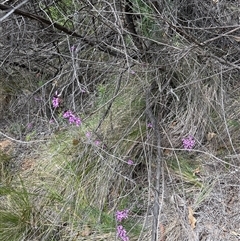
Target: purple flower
(72, 118)
(132, 72)
(97, 142)
(122, 233)
(51, 121)
(120, 215)
(130, 162)
(67, 114)
(78, 121)
(188, 143)
(29, 125)
(55, 102)
(88, 135)
(149, 125)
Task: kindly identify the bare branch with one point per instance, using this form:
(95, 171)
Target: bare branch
(12, 10)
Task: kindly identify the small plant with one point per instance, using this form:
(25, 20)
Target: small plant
(72, 118)
(30, 136)
(16, 212)
(186, 170)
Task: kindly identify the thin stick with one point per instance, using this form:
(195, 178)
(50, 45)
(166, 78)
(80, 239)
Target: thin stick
(12, 10)
(156, 205)
(19, 141)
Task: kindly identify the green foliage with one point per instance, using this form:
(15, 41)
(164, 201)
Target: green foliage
(146, 23)
(30, 136)
(185, 168)
(62, 12)
(103, 94)
(233, 123)
(204, 192)
(16, 212)
(98, 219)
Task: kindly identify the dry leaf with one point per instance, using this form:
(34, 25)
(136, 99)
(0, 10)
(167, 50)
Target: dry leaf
(86, 232)
(167, 152)
(162, 232)
(210, 135)
(235, 233)
(237, 38)
(196, 172)
(173, 124)
(192, 220)
(75, 142)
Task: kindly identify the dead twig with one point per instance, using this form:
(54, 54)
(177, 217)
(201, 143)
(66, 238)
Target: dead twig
(156, 205)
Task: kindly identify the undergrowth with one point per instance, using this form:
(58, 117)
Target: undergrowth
(138, 117)
(86, 173)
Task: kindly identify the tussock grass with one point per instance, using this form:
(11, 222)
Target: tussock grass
(75, 187)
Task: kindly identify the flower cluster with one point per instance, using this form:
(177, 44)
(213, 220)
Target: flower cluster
(72, 118)
(89, 138)
(121, 232)
(120, 215)
(188, 143)
(149, 125)
(56, 102)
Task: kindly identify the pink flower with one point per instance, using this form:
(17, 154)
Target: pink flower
(122, 233)
(67, 114)
(149, 125)
(121, 215)
(132, 72)
(72, 118)
(97, 142)
(130, 162)
(55, 102)
(78, 121)
(188, 143)
(29, 125)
